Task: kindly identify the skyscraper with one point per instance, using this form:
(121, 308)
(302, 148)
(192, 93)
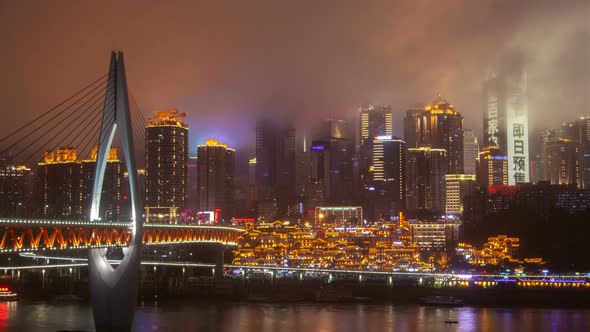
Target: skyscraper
(375, 121)
(302, 166)
(564, 162)
(537, 155)
(425, 179)
(192, 193)
(215, 166)
(16, 190)
(58, 186)
(492, 168)
(332, 163)
(457, 187)
(166, 165)
(470, 152)
(584, 129)
(438, 126)
(506, 120)
(579, 131)
(251, 192)
(321, 171)
(387, 190)
(336, 129)
(414, 127)
(275, 167)
(444, 130)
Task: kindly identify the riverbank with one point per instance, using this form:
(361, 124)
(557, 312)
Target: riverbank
(320, 291)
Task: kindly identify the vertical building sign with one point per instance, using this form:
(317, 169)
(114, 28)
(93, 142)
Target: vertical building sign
(517, 131)
(492, 130)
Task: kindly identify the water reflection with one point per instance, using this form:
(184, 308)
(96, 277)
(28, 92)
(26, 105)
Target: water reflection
(254, 317)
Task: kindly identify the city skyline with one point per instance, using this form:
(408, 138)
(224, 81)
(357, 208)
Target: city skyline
(273, 76)
(334, 165)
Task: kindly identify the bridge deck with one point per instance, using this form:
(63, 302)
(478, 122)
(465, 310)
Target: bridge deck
(19, 235)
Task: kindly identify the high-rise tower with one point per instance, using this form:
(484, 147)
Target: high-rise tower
(215, 167)
(425, 179)
(438, 126)
(492, 169)
(16, 189)
(275, 168)
(166, 165)
(506, 120)
(564, 162)
(444, 130)
(470, 152)
(375, 121)
(414, 126)
(58, 186)
(387, 191)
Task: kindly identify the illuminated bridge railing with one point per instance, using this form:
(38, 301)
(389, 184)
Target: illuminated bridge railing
(21, 235)
(178, 234)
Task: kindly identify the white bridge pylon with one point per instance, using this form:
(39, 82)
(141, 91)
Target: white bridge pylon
(114, 290)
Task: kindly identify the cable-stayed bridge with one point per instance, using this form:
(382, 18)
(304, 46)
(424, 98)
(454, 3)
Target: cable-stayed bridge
(78, 140)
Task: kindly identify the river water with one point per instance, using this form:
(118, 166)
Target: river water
(255, 317)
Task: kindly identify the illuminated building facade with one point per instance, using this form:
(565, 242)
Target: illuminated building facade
(457, 187)
(498, 250)
(166, 165)
(332, 169)
(579, 131)
(375, 121)
(58, 186)
(506, 121)
(374, 247)
(338, 215)
(537, 156)
(470, 152)
(336, 129)
(321, 170)
(435, 235)
(192, 193)
(251, 195)
(415, 127)
(429, 236)
(16, 190)
(584, 130)
(110, 203)
(438, 126)
(425, 179)
(564, 162)
(444, 130)
(215, 167)
(492, 169)
(387, 190)
(275, 168)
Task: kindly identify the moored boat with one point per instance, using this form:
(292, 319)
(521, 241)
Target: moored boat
(442, 301)
(7, 295)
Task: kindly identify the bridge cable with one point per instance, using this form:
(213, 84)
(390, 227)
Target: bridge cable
(88, 139)
(19, 130)
(86, 122)
(37, 129)
(59, 130)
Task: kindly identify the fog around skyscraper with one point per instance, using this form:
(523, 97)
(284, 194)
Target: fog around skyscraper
(224, 72)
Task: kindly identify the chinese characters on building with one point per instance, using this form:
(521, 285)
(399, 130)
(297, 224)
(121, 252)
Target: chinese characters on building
(518, 157)
(492, 130)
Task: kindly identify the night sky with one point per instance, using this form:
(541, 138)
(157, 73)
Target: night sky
(226, 62)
